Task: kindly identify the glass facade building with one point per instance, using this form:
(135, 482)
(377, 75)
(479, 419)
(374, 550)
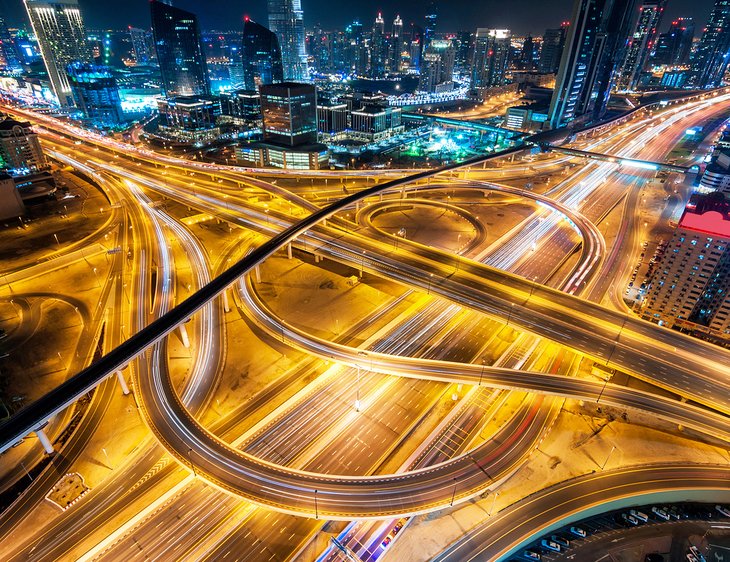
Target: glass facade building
(96, 94)
(712, 57)
(179, 51)
(594, 46)
(286, 20)
(641, 42)
(61, 35)
(261, 56)
(290, 113)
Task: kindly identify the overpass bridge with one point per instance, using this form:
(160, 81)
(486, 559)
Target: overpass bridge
(621, 161)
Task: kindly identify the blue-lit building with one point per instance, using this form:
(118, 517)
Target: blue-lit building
(179, 51)
(286, 20)
(9, 61)
(261, 56)
(712, 57)
(96, 94)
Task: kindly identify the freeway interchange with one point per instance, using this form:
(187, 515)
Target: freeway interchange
(685, 367)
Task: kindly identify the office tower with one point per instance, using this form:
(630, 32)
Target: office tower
(673, 47)
(594, 44)
(527, 55)
(59, 28)
(690, 288)
(553, 42)
(430, 27)
(290, 113)
(96, 94)
(20, 149)
(415, 46)
(437, 67)
(286, 19)
(642, 41)
(261, 56)
(189, 119)
(711, 59)
(179, 51)
(491, 57)
(464, 44)
(242, 106)
(8, 54)
(142, 45)
(378, 49)
(397, 44)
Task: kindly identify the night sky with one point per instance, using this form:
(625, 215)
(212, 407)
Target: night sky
(521, 16)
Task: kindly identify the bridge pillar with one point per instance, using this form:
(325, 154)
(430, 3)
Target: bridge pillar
(43, 438)
(122, 382)
(258, 273)
(184, 335)
(226, 308)
(288, 250)
(357, 206)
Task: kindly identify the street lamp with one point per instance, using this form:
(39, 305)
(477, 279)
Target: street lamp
(608, 457)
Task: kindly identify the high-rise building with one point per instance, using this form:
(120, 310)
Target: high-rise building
(143, 45)
(429, 30)
(594, 44)
(20, 149)
(286, 19)
(261, 56)
(179, 52)
(378, 49)
(553, 42)
(96, 94)
(491, 57)
(397, 44)
(690, 288)
(674, 46)
(11, 204)
(712, 57)
(464, 50)
(642, 41)
(9, 60)
(437, 67)
(59, 28)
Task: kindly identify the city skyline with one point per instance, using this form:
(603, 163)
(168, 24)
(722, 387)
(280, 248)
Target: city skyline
(521, 16)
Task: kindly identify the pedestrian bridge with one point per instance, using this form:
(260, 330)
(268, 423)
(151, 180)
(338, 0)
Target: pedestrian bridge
(628, 162)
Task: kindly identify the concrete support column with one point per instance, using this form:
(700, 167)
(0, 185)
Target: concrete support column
(122, 382)
(184, 336)
(288, 250)
(258, 274)
(357, 206)
(226, 308)
(43, 438)
(324, 222)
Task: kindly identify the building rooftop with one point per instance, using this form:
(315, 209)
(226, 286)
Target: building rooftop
(708, 214)
(8, 123)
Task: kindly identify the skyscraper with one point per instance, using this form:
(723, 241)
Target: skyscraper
(673, 47)
(713, 54)
(261, 56)
(641, 42)
(378, 49)
(397, 44)
(59, 28)
(491, 57)
(286, 19)
(553, 42)
(8, 54)
(179, 52)
(430, 27)
(142, 45)
(594, 44)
